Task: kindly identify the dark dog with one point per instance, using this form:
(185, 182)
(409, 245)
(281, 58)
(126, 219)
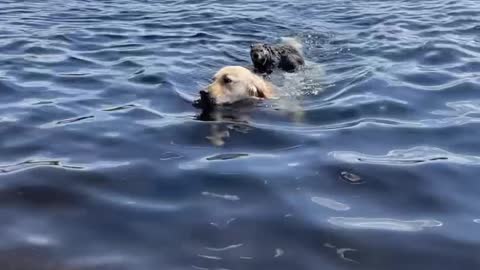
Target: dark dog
(287, 57)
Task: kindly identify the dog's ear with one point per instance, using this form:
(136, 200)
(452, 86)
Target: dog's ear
(252, 45)
(260, 88)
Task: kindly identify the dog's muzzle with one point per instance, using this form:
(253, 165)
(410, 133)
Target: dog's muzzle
(259, 58)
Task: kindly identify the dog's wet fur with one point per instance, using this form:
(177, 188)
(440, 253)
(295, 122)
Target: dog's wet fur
(266, 58)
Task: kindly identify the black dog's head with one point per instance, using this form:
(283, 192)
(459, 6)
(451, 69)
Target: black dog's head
(260, 54)
(205, 102)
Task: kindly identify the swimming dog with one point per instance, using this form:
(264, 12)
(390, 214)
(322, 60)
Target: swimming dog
(232, 84)
(266, 58)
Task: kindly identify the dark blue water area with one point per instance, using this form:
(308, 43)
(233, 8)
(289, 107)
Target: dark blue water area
(369, 159)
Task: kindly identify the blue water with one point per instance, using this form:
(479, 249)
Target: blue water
(370, 160)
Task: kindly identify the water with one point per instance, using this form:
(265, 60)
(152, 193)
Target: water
(371, 161)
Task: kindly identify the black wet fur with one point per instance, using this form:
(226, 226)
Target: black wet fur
(205, 102)
(266, 58)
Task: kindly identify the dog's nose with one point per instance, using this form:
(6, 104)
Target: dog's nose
(256, 56)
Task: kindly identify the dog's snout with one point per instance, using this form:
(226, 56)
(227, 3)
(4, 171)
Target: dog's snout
(256, 56)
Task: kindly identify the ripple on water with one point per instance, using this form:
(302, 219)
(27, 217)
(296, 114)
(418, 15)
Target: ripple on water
(331, 204)
(428, 79)
(226, 157)
(227, 197)
(404, 157)
(35, 163)
(383, 224)
(75, 120)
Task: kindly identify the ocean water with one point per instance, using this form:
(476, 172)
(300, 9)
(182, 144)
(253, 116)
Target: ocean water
(368, 160)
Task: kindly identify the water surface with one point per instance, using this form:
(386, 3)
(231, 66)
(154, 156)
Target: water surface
(370, 160)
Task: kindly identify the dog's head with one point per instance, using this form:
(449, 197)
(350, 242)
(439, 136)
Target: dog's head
(234, 83)
(260, 54)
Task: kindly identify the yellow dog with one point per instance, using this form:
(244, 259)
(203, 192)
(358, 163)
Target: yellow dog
(235, 83)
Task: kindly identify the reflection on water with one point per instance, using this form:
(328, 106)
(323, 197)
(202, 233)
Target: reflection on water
(342, 252)
(331, 204)
(384, 224)
(225, 197)
(416, 155)
(34, 163)
(368, 158)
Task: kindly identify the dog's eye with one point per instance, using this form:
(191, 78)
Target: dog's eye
(227, 79)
